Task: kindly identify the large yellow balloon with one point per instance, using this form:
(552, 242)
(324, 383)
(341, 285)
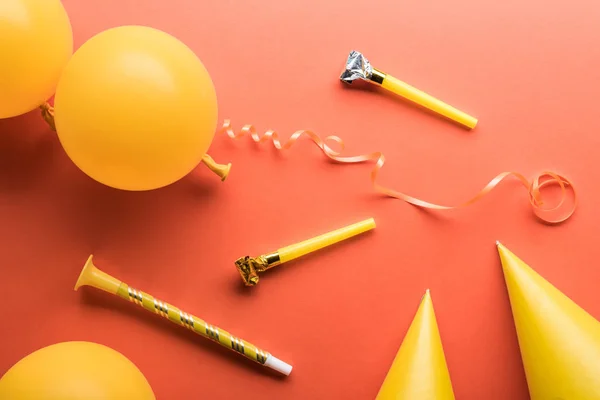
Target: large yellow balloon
(135, 108)
(36, 42)
(75, 371)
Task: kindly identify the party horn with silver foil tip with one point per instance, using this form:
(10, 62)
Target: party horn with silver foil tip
(358, 67)
(92, 276)
(249, 267)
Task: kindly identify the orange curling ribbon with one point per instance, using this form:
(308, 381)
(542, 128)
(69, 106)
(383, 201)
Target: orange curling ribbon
(533, 187)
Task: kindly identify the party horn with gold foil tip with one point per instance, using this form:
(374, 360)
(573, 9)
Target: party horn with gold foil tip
(249, 267)
(92, 276)
(358, 67)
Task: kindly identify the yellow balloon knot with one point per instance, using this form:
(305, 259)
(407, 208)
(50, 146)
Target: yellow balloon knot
(48, 115)
(221, 170)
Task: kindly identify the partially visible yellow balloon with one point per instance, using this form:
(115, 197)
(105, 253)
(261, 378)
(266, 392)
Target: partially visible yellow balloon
(135, 108)
(74, 371)
(36, 41)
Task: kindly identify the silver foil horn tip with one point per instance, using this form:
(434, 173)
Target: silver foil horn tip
(357, 67)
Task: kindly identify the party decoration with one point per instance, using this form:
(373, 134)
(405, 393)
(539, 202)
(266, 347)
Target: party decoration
(419, 370)
(559, 341)
(249, 267)
(135, 109)
(92, 276)
(75, 371)
(551, 215)
(358, 67)
(36, 42)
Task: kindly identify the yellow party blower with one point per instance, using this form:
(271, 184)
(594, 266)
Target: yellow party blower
(92, 276)
(358, 67)
(559, 341)
(249, 267)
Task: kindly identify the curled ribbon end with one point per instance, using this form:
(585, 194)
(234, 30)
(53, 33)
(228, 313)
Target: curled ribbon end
(565, 207)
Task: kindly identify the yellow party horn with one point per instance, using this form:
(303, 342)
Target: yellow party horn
(249, 267)
(92, 276)
(358, 67)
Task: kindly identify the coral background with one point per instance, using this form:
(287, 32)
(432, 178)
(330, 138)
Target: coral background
(528, 69)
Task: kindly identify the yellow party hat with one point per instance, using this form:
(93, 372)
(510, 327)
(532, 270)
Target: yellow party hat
(559, 341)
(419, 370)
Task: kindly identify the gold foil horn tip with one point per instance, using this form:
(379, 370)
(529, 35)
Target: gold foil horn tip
(249, 267)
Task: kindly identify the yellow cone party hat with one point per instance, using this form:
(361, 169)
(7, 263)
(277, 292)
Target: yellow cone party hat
(559, 341)
(419, 370)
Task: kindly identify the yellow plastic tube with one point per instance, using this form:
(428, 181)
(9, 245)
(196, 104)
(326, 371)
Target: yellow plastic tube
(249, 267)
(297, 250)
(419, 97)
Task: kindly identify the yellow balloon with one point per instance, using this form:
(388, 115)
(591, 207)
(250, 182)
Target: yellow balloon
(75, 371)
(135, 108)
(36, 41)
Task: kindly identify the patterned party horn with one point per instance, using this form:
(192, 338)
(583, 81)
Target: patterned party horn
(92, 276)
